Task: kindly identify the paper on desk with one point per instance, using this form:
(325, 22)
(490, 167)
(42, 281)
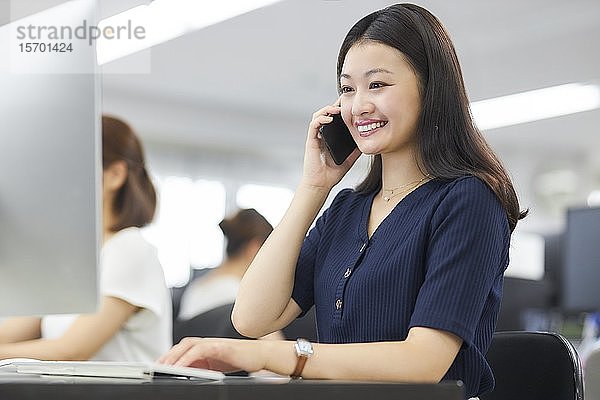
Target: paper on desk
(111, 369)
(7, 364)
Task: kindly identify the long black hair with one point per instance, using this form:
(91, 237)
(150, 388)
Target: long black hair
(449, 145)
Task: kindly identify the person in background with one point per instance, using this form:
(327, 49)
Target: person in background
(405, 271)
(590, 336)
(244, 233)
(133, 321)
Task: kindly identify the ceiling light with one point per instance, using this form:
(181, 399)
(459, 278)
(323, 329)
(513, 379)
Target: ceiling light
(535, 105)
(163, 20)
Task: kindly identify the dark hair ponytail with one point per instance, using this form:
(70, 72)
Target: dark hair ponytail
(135, 202)
(449, 145)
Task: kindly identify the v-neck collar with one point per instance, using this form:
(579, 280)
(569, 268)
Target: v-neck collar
(363, 228)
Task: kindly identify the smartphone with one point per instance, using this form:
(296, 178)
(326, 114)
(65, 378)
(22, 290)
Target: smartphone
(338, 139)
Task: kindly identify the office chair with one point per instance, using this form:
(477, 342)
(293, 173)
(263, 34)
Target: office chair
(212, 323)
(591, 373)
(534, 366)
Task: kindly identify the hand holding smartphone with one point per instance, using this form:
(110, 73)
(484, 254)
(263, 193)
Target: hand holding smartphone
(338, 139)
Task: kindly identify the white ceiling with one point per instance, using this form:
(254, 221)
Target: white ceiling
(243, 90)
(250, 84)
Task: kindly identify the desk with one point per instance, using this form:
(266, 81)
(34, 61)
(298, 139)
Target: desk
(19, 387)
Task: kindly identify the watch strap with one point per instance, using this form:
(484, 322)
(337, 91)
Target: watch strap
(304, 350)
(299, 367)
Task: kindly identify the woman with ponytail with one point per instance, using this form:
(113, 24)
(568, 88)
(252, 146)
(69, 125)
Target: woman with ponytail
(133, 321)
(244, 232)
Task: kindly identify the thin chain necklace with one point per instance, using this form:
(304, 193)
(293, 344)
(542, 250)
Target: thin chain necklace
(402, 189)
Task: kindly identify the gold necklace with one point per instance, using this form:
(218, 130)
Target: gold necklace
(406, 188)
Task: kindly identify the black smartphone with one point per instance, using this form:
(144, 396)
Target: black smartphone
(338, 139)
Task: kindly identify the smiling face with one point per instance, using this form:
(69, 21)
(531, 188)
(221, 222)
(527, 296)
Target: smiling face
(380, 98)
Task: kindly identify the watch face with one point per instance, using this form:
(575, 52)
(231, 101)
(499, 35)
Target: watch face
(304, 347)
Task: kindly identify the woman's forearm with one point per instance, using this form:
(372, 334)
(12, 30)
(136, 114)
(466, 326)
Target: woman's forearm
(19, 329)
(266, 288)
(42, 349)
(86, 335)
(424, 357)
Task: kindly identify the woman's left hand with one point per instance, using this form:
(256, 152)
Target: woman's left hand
(226, 355)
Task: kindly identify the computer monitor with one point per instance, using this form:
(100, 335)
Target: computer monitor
(49, 170)
(580, 278)
(527, 251)
(529, 301)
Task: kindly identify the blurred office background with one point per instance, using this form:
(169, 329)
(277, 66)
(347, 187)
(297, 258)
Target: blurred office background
(223, 112)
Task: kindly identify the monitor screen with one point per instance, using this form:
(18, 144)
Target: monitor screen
(527, 251)
(49, 169)
(529, 291)
(581, 263)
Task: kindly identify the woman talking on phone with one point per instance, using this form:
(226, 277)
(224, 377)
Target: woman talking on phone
(405, 271)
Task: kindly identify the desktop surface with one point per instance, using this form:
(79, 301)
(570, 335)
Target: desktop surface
(17, 387)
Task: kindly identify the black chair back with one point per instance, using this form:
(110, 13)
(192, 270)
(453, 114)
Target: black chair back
(305, 327)
(534, 366)
(213, 323)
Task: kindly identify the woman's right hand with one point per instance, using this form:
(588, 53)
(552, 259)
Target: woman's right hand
(225, 355)
(320, 171)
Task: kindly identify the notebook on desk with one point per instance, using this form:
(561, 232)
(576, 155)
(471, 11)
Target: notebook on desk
(110, 369)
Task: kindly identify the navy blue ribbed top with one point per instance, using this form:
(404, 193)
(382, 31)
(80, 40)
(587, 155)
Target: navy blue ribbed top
(437, 260)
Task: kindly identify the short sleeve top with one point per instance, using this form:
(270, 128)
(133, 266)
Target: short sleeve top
(129, 270)
(437, 260)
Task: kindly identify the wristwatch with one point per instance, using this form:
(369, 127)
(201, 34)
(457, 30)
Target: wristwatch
(304, 350)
